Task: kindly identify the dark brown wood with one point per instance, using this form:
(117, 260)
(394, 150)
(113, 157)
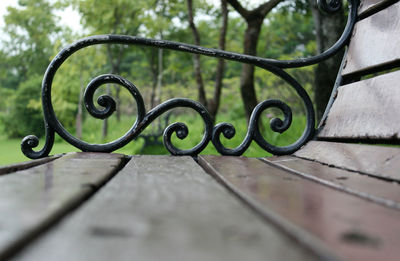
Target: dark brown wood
(376, 190)
(356, 229)
(26, 165)
(164, 208)
(375, 41)
(368, 7)
(368, 109)
(33, 199)
(373, 160)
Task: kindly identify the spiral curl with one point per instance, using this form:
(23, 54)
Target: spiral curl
(330, 7)
(108, 104)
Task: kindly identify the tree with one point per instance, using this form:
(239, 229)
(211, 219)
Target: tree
(212, 104)
(254, 20)
(30, 29)
(196, 61)
(116, 17)
(328, 29)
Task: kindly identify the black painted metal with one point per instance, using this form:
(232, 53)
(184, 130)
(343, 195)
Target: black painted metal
(52, 125)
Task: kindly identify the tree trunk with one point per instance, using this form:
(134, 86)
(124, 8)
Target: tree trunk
(213, 103)
(159, 77)
(247, 89)
(104, 132)
(79, 113)
(254, 19)
(328, 30)
(154, 72)
(197, 65)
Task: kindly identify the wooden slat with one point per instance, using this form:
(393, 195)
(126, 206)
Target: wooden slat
(376, 190)
(164, 208)
(368, 109)
(356, 229)
(375, 41)
(372, 160)
(26, 165)
(33, 199)
(368, 7)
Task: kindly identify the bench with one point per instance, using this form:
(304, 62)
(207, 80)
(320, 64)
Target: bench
(335, 195)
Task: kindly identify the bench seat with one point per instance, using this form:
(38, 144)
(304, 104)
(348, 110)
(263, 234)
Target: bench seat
(96, 206)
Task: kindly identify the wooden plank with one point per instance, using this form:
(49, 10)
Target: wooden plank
(368, 7)
(368, 109)
(354, 228)
(26, 165)
(164, 208)
(375, 41)
(376, 161)
(376, 190)
(33, 199)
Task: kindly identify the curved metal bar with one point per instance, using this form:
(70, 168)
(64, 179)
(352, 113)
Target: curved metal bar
(30, 142)
(331, 7)
(53, 125)
(142, 121)
(276, 124)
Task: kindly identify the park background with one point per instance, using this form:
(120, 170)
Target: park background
(33, 32)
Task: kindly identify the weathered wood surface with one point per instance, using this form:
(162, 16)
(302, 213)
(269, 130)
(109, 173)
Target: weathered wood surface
(164, 208)
(375, 41)
(377, 161)
(376, 190)
(368, 7)
(33, 199)
(26, 165)
(368, 109)
(356, 229)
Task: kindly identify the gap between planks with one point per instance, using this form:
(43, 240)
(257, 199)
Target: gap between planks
(354, 228)
(165, 208)
(26, 165)
(41, 196)
(364, 186)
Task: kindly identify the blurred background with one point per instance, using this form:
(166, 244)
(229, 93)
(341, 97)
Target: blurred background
(33, 32)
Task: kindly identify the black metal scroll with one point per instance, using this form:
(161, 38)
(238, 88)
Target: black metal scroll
(211, 133)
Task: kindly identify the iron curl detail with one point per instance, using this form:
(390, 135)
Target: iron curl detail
(276, 124)
(330, 7)
(142, 121)
(52, 125)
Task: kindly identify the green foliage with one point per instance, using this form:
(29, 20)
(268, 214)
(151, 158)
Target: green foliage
(30, 29)
(24, 117)
(33, 37)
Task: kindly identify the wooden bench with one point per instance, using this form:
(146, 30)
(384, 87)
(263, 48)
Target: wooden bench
(333, 199)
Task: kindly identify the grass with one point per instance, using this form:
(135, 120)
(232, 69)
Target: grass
(10, 148)
(10, 151)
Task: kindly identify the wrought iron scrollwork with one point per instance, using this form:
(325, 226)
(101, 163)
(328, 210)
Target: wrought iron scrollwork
(211, 133)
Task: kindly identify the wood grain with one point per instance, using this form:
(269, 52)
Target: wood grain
(377, 161)
(33, 199)
(164, 208)
(368, 109)
(375, 41)
(376, 190)
(356, 229)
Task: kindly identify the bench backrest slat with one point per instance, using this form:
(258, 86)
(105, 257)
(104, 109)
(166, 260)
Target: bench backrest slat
(368, 110)
(375, 42)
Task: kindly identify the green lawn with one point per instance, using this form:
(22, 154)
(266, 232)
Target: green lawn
(10, 151)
